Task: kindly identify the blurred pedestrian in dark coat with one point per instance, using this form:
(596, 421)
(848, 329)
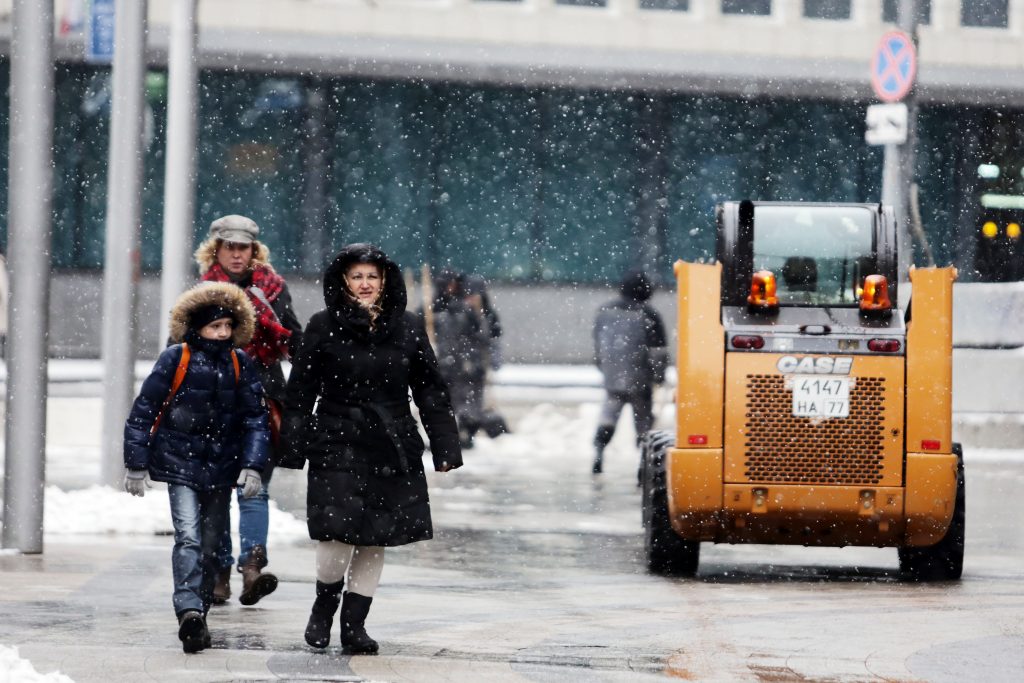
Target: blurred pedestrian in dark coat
(629, 345)
(476, 297)
(461, 343)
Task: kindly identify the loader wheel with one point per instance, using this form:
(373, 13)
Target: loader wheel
(666, 553)
(943, 561)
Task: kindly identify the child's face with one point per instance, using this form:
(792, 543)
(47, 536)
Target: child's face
(218, 330)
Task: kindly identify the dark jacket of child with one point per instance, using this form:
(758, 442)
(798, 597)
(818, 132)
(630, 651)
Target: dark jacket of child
(216, 423)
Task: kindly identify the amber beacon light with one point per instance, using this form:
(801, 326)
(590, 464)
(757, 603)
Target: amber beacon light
(874, 297)
(763, 295)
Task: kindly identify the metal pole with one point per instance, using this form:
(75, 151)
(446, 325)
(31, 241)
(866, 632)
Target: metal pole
(124, 216)
(30, 192)
(892, 194)
(907, 20)
(180, 170)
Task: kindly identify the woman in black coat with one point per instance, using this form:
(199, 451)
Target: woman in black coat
(358, 361)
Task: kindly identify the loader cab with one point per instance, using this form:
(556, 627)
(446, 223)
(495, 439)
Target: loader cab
(818, 259)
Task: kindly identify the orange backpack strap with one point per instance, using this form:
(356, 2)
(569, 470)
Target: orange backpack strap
(179, 377)
(238, 369)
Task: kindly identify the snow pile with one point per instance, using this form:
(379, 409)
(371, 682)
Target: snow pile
(103, 510)
(17, 670)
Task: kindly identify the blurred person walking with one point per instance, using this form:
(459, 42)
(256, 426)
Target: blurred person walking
(476, 297)
(629, 345)
(233, 254)
(460, 340)
(200, 425)
(348, 414)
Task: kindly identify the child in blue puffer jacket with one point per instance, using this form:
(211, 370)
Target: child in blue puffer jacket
(200, 424)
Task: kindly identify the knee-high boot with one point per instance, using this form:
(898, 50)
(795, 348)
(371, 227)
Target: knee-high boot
(354, 638)
(321, 619)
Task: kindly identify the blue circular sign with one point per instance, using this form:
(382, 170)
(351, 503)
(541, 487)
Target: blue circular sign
(893, 66)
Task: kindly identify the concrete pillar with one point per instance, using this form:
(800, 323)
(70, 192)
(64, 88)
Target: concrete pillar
(180, 167)
(30, 194)
(123, 227)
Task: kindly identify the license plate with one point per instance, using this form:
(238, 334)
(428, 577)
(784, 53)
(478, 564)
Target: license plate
(821, 396)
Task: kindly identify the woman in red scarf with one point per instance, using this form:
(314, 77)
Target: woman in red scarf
(233, 254)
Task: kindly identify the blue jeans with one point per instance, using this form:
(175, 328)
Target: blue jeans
(199, 521)
(253, 523)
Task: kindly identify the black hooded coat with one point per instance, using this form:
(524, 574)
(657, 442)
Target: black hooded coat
(366, 479)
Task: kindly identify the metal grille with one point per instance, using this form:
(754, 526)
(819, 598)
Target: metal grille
(781, 448)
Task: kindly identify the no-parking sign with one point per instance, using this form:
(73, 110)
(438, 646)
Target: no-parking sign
(893, 66)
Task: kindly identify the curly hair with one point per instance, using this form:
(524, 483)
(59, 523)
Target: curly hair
(206, 255)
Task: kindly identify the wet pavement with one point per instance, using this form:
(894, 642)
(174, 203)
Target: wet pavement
(536, 574)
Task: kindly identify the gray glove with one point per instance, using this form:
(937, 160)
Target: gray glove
(250, 482)
(136, 482)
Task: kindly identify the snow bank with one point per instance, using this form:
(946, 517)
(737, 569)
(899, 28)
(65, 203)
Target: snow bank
(103, 510)
(14, 669)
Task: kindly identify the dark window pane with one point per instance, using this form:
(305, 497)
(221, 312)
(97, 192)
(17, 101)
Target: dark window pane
(582, 3)
(827, 9)
(986, 13)
(677, 5)
(251, 157)
(487, 180)
(382, 177)
(587, 166)
(758, 7)
(924, 11)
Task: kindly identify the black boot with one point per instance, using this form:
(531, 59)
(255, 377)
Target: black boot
(192, 631)
(321, 619)
(354, 639)
(601, 439)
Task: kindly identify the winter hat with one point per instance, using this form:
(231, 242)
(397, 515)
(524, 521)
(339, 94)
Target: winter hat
(203, 316)
(234, 228)
(636, 286)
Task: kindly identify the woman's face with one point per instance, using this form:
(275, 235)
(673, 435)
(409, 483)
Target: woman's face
(234, 258)
(364, 281)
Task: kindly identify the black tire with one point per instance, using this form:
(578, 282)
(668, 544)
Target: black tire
(666, 553)
(943, 561)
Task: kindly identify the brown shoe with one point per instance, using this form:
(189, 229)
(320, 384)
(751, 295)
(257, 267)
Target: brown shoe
(222, 589)
(256, 584)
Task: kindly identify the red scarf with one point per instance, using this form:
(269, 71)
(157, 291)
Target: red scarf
(270, 340)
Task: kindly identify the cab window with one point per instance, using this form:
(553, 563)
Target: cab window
(819, 255)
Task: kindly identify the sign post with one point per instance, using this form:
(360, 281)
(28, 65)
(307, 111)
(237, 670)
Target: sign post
(893, 69)
(887, 124)
(893, 66)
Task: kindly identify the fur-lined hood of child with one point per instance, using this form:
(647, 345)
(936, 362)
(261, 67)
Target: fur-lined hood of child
(221, 294)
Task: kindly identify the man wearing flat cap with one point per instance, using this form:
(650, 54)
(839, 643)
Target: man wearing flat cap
(233, 253)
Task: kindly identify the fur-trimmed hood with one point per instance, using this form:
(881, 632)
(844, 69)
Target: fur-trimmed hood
(224, 294)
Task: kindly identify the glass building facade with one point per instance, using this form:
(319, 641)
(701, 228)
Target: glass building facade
(517, 184)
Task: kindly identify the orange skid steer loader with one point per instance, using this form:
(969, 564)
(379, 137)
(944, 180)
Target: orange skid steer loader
(814, 403)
